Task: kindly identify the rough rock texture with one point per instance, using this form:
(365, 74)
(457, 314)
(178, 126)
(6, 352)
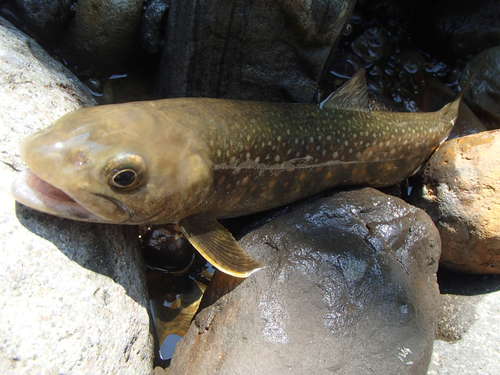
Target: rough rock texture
(44, 19)
(348, 288)
(472, 313)
(103, 34)
(484, 93)
(151, 25)
(73, 295)
(34, 89)
(272, 51)
(460, 193)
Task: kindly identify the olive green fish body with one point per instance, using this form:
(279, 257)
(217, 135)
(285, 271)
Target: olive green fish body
(266, 155)
(191, 161)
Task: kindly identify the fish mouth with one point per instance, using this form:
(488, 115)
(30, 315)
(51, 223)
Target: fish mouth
(32, 191)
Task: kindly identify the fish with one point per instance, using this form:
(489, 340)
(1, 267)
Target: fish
(192, 161)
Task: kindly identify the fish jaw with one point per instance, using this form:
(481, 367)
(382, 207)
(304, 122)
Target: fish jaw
(31, 191)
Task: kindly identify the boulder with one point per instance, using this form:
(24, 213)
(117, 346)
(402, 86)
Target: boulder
(348, 287)
(484, 93)
(102, 35)
(460, 194)
(271, 51)
(73, 294)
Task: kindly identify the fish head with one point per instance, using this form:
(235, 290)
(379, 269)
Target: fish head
(123, 163)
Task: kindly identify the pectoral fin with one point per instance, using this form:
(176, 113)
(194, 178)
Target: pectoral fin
(218, 246)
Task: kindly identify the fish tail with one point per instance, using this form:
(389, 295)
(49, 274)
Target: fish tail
(449, 112)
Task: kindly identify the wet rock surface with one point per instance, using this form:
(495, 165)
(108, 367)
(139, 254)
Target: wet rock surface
(484, 93)
(263, 51)
(153, 25)
(348, 287)
(73, 294)
(460, 195)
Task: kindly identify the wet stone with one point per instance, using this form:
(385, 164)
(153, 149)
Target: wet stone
(459, 193)
(348, 287)
(483, 95)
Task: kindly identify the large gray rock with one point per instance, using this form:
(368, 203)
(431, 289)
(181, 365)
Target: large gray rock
(266, 50)
(348, 287)
(34, 89)
(73, 294)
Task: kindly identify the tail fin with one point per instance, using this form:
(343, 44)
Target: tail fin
(449, 112)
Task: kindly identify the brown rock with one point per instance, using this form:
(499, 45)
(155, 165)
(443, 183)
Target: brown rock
(461, 194)
(103, 35)
(348, 287)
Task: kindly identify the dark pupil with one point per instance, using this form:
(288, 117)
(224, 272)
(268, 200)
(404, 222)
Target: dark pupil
(124, 178)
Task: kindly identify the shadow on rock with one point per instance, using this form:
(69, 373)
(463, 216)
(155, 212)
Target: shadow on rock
(466, 284)
(110, 250)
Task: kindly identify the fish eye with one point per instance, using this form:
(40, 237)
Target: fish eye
(125, 172)
(125, 178)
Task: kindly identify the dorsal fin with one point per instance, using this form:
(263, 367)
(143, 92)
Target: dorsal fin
(352, 95)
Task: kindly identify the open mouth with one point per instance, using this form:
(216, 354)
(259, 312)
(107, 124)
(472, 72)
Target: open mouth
(48, 190)
(32, 191)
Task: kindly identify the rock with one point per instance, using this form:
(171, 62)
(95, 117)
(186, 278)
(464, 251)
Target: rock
(102, 35)
(73, 294)
(348, 287)
(45, 20)
(151, 25)
(451, 28)
(461, 196)
(271, 51)
(372, 45)
(27, 73)
(484, 93)
(472, 314)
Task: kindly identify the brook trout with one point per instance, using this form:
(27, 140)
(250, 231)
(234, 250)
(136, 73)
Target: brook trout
(192, 161)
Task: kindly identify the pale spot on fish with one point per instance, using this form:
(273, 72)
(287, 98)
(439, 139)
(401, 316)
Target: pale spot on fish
(277, 158)
(219, 153)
